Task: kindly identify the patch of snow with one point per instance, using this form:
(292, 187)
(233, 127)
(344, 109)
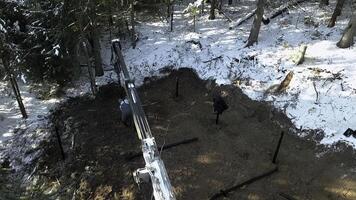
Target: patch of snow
(19, 136)
(327, 70)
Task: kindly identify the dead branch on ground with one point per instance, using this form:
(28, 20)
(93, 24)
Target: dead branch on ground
(216, 58)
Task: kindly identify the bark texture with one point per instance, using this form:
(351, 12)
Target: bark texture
(95, 36)
(255, 30)
(14, 85)
(212, 9)
(347, 38)
(336, 13)
(132, 20)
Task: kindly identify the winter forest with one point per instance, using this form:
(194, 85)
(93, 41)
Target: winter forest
(177, 99)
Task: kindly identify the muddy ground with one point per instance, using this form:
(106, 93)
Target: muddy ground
(240, 147)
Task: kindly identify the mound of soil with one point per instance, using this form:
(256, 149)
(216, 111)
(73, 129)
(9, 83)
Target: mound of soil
(239, 147)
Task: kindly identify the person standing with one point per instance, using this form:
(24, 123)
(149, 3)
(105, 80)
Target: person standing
(126, 113)
(219, 106)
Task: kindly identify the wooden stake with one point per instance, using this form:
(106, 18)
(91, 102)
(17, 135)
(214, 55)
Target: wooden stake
(177, 87)
(277, 149)
(60, 143)
(168, 146)
(223, 193)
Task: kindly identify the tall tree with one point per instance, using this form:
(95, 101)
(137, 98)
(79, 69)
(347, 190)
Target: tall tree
(14, 85)
(94, 36)
(347, 38)
(336, 13)
(255, 30)
(220, 4)
(6, 55)
(132, 20)
(212, 9)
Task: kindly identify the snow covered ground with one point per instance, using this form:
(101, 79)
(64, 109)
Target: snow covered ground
(23, 135)
(322, 93)
(327, 71)
(20, 138)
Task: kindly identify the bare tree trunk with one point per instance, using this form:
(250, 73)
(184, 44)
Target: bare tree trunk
(336, 13)
(95, 36)
(168, 9)
(202, 7)
(132, 19)
(323, 3)
(111, 23)
(85, 46)
(255, 30)
(15, 87)
(171, 15)
(347, 38)
(194, 22)
(212, 9)
(220, 5)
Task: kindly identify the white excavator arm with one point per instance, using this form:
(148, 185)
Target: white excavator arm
(154, 170)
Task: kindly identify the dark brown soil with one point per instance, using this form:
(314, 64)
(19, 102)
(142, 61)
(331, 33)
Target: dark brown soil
(240, 147)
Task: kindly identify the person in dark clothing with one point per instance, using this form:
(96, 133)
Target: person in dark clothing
(265, 20)
(126, 113)
(350, 132)
(219, 105)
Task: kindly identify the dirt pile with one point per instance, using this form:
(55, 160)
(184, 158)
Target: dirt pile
(240, 147)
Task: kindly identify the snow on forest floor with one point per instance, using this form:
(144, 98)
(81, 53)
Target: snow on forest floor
(327, 67)
(20, 138)
(22, 134)
(327, 70)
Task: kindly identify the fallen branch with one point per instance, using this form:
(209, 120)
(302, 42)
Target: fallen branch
(247, 17)
(139, 154)
(216, 58)
(275, 14)
(227, 17)
(284, 8)
(223, 193)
